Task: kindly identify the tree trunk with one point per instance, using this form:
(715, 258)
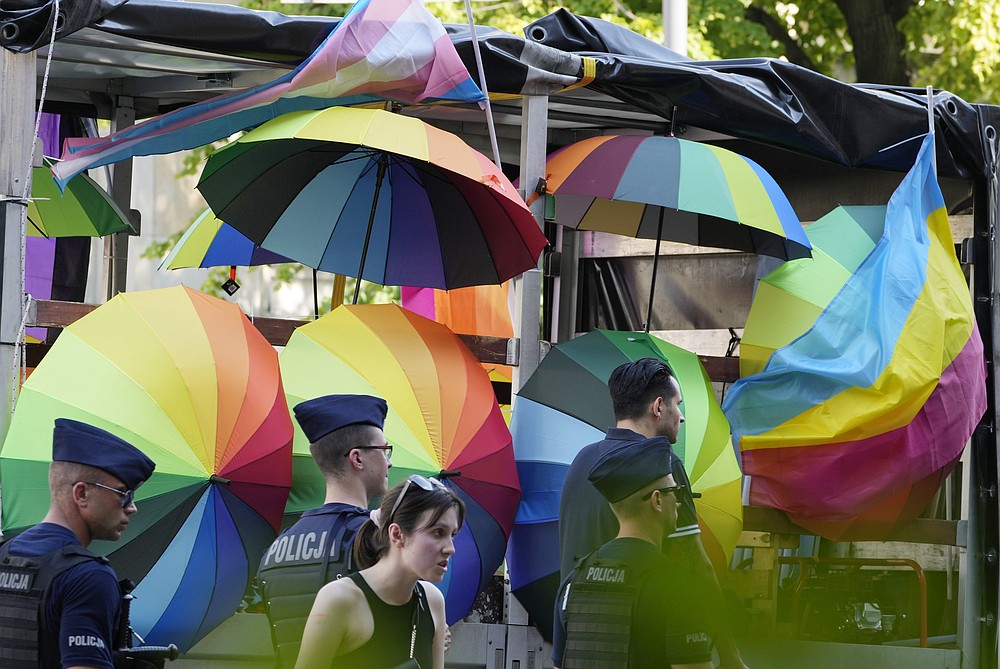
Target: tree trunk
(878, 43)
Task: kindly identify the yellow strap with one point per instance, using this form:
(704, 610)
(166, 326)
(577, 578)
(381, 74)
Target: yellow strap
(589, 74)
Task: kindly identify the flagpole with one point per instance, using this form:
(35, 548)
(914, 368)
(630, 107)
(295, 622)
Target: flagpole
(482, 86)
(930, 126)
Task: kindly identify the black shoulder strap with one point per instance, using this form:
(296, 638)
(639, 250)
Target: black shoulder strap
(343, 524)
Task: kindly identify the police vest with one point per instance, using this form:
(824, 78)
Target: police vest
(599, 603)
(24, 588)
(307, 556)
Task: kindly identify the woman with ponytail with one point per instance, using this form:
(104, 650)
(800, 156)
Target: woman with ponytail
(389, 615)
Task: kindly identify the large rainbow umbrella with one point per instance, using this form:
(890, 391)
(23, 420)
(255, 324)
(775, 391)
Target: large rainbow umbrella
(443, 418)
(374, 195)
(190, 381)
(673, 189)
(564, 406)
(850, 427)
(788, 300)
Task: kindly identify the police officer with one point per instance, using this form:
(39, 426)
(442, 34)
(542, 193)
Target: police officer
(60, 603)
(347, 443)
(620, 607)
(647, 403)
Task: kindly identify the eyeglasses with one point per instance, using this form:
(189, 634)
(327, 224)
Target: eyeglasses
(662, 491)
(127, 495)
(385, 448)
(427, 484)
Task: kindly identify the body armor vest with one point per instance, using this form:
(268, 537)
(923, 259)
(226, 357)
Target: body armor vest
(307, 556)
(599, 604)
(24, 588)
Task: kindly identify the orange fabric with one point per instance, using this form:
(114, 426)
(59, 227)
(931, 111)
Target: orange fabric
(480, 310)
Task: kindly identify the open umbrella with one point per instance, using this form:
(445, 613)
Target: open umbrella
(210, 242)
(83, 210)
(443, 419)
(375, 195)
(564, 406)
(788, 299)
(669, 188)
(190, 381)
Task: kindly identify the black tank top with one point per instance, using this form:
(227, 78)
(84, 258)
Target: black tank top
(389, 645)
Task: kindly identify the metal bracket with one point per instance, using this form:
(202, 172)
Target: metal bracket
(513, 351)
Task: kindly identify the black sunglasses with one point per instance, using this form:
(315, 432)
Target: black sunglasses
(423, 483)
(662, 491)
(385, 448)
(127, 495)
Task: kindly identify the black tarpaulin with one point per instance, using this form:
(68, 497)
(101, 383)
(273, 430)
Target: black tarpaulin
(767, 101)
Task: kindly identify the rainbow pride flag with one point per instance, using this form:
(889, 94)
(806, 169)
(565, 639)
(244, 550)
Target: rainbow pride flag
(851, 427)
(382, 49)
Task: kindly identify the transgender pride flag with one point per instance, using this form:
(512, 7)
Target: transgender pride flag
(388, 49)
(852, 427)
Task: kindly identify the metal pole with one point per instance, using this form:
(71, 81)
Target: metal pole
(482, 85)
(656, 262)
(528, 286)
(116, 245)
(675, 21)
(17, 104)
(383, 165)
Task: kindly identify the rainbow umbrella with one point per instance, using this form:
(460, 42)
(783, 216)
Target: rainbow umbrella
(209, 242)
(564, 406)
(670, 188)
(443, 418)
(190, 381)
(788, 300)
(83, 210)
(374, 195)
(880, 395)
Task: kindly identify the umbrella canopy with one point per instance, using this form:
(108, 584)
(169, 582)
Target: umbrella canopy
(443, 417)
(83, 210)
(674, 189)
(374, 195)
(210, 242)
(788, 300)
(564, 406)
(878, 398)
(188, 380)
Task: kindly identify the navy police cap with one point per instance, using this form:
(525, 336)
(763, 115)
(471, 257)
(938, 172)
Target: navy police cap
(73, 441)
(631, 467)
(321, 416)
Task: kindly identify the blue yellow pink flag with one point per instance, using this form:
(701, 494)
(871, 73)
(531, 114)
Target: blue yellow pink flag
(382, 49)
(851, 427)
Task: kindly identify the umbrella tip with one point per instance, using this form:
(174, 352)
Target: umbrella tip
(218, 479)
(448, 473)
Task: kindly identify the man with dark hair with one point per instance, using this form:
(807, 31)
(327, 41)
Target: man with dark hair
(60, 604)
(620, 607)
(647, 403)
(349, 448)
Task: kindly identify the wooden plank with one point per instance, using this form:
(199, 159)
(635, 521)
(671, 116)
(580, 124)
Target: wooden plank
(56, 314)
(721, 369)
(920, 531)
(491, 350)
